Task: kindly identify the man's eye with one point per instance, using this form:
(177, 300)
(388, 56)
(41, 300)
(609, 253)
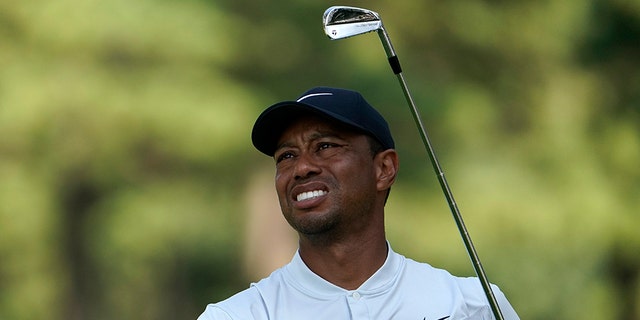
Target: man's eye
(326, 145)
(284, 156)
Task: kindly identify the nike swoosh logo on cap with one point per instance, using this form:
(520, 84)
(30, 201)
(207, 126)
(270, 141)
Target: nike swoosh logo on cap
(315, 94)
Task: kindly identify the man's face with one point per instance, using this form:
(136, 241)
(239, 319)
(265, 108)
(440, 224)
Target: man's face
(325, 177)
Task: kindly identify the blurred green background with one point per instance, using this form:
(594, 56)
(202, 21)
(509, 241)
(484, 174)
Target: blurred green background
(129, 188)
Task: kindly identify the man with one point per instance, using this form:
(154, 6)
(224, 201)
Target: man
(335, 164)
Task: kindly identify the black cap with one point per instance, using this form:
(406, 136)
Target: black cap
(345, 106)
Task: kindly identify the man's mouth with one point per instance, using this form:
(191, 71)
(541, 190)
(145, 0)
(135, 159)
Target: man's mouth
(310, 195)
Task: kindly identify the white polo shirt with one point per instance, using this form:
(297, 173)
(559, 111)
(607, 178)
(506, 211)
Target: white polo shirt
(401, 289)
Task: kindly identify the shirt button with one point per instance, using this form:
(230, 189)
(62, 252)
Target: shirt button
(356, 296)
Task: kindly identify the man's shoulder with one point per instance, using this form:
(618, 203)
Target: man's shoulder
(427, 272)
(238, 306)
(246, 304)
(441, 283)
(442, 280)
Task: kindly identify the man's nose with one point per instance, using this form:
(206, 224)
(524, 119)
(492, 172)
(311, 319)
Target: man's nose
(306, 166)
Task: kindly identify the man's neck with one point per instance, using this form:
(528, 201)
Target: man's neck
(347, 263)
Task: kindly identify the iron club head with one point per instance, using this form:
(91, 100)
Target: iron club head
(342, 22)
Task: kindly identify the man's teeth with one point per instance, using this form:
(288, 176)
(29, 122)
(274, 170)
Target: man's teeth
(310, 194)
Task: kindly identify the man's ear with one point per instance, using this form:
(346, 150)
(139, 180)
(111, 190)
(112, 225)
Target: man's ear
(386, 168)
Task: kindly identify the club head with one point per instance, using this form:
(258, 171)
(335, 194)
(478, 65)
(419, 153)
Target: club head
(343, 22)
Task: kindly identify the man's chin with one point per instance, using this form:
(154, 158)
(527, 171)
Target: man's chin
(313, 226)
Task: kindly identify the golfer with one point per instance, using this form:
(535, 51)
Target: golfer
(335, 165)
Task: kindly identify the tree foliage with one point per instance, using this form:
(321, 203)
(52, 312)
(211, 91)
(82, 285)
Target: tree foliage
(125, 161)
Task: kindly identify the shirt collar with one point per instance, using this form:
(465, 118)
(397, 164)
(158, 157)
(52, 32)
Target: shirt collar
(301, 277)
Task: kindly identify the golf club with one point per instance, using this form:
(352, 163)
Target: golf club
(342, 22)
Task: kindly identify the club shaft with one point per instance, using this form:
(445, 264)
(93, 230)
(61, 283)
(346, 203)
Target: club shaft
(466, 238)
